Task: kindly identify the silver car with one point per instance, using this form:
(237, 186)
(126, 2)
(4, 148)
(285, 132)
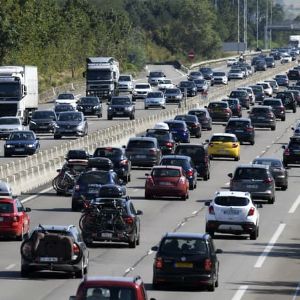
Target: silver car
(155, 99)
(255, 179)
(8, 125)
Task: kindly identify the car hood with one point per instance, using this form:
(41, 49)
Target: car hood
(23, 142)
(42, 120)
(72, 123)
(11, 127)
(120, 105)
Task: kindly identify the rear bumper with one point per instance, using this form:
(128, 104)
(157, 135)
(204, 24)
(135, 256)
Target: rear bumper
(231, 227)
(168, 191)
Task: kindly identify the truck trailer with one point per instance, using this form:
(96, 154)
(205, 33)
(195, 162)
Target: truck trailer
(294, 41)
(18, 91)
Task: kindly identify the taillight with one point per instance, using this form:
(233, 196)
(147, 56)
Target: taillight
(249, 129)
(211, 144)
(124, 162)
(268, 180)
(128, 220)
(211, 210)
(287, 151)
(194, 125)
(189, 172)
(270, 115)
(152, 151)
(282, 108)
(150, 180)
(207, 264)
(227, 110)
(77, 187)
(251, 211)
(234, 145)
(159, 263)
(169, 144)
(76, 249)
(15, 219)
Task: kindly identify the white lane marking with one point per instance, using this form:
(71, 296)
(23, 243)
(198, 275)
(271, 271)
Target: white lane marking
(295, 205)
(36, 195)
(297, 292)
(181, 73)
(227, 183)
(240, 292)
(269, 247)
(182, 224)
(150, 252)
(135, 190)
(194, 212)
(10, 267)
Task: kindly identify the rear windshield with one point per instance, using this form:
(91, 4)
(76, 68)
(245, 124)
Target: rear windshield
(6, 207)
(257, 89)
(62, 107)
(218, 74)
(238, 124)
(223, 138)
(93, 178)
(166, 173)
(172, 91)
(268, 162)
(176, 125)
(260, 110)
(155, 95)
(218, 105)
(199, 113)
(294, 145)
(70, 117)
(195, 153)
(160, 135)
(188, 118)
(231, 201)
(177, 246)
(238, 94)
(272, 102)
(250, 173)
(175, 162)
(140, 144)
(103, 292)
(108, 152)
(186, 83)
(142, 86)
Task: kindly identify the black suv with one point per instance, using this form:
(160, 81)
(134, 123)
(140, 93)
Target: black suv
(43, 121)
(277, 107)
(198, 154)
(90, 105)
(186, 258)
(291, 154)
(143, 151)
(207, 73)
(121, 106)
(192, 123)
(189, 87)
(165, 139)
(294, 74)
(121, 163)
(112, 220)
(242, 128)
(288, 100)
(263, 117)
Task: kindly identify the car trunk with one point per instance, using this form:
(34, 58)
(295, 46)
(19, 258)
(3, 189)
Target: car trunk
(232, 213)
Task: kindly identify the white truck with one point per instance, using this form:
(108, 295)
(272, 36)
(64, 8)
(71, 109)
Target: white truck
(18, 91)
(294, 41)
(102, 76)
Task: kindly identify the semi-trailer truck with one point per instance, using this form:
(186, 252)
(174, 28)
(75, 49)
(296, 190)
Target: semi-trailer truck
(294, 41)
(18, 91)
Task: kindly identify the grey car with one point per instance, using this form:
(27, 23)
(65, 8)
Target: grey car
(263, 117)
(255, 179)
(8, 125)
(279, 172)
(173, 95)
(121, 106)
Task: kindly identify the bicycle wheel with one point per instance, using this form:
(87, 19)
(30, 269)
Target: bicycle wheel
(87, 223)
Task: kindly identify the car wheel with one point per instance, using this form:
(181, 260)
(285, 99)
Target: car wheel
(211, 157)
(198, 135)
(132, 244)
(138, 241)
(272, 200)
(132, 117)
(57, 137)
(75, 206)
(155, 285)
(254, 234)
(109, 118)
(192, 187)
(252, 142)
(294, 110)
(148, 196)
(211, 287)
(237, 158)
(146, 107)
(206, 176)
(184, 197)
(284, 188)
(273, 128)
(6, 154)
(283, 119)
(80, 273)
(25, 272)
(210, 232)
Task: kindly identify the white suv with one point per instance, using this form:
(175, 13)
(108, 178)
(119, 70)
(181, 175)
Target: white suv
(141, 90)
(232, 212)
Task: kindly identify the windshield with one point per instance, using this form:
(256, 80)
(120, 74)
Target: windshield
(231, 201)
(175, 162)
(43, 115)
(257, 89)
(176, 126)
(140, 144)
(223, 138)
(89, 100)
(66, 96)
(142, 86)
(217, 105)
(188, 118)
(156, 74)
(21, 136)
(70, 117)
(218, 74)
(172, 91)
(10, 89)
(120, 101)
(108, 152)
(102, 292)
(179, 246)
(272, 102)
(186, 83)
(98, 75)
(10, 121)
(250, 173)
(61, 107)
(238, 124)
(199, 114)
(154, 95)
(124, 78)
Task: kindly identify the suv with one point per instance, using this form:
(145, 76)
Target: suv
(131, 288)
(235, 106)
(294, 74)
(54, 248)
(90, 105)
(243, 96)
(277, 107)
(232, 212)
(203, 117)
(192, 123)
(120, 106)
(189, 87)
(288, 99)
(242, 128)
(255, 179)
(140, 91)
(43, 121)
(263, 117)
(112, 220)
(187, 259)
(219, 111)
(198, 154)
(125, 83)
(258, 92)
(291, 154)
(143, 151)
(155, 76)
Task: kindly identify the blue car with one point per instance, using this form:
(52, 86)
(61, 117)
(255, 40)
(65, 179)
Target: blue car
(21, 143)
(179, 130)
(89, 183)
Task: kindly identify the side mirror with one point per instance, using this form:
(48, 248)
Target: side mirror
(121, 182)
(292, 128)
(147, 174)
(207, 203)
(154, 248)
(207, 141)
(139, 212)
(83, 74)
(37, 138)
(205, 106)
(84, 118)
(27, 209)
(58, 170)
(219, 251)
(123, 146)
(230, 175)
(283, 146)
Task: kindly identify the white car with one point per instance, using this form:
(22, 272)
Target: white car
(220, 77)
(286, 58)
(232, 212)
(8, 125)
(155, 99)
(141, 90)
(66, 98)
(273, 84)
(164, 84)
(125, 83)
(231, 61)
(267, 88)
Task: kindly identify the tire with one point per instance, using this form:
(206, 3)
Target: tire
(132, 117)
(273, 128)
(184, 197)
(211, 287)
(80, 273)
(294, 110)
(211, 157)
(237, 158)
(25, 272)
(146, 107)
(138, 241)
(210, 232)
(6, 154)
(109, 118)
(100, 116)
(147, 196)
(252, 142)
(56, 137)
(254, 234)
(132, 244)
(198, 135)
(271, 201)
(284, 188)
(74, 206)
(206, 177)
(285, 164)
(128, 178)
(283, 119)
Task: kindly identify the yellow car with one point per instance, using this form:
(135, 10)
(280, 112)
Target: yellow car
(224, 145)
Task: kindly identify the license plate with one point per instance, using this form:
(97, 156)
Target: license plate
(119, 113)
(140, 156)
(231, 212)
(48, 259)
(93, 191)
(106, 235)
(1, 219)
(183, 265)
(223, 151)
(68, 130)
(260, 118)
(20, 149)
(88, 109)
(252, 186)
(239, 131)
(165, 183)
(43, 127)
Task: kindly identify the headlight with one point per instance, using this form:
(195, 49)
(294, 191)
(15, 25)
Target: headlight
(79, 107)
(96, 106)
(134, 92)
(30, 146)
(128, 108)
(109, 108)
(9, 146)
(31, 122)
(80, 127)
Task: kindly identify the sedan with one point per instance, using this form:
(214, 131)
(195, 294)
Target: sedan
(282, 79)
(192, 123)
(21, 143)
(155, 99)
(195, 75)
(71, 124)
(166, 181)
(203, 117)
(173, 95)
(14, 220)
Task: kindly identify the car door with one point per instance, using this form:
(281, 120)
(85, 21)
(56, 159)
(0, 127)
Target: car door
(24, 218)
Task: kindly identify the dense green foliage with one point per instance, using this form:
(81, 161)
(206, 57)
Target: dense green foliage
(57, 35)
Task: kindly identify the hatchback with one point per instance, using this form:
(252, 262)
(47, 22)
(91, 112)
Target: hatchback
(203, 117)
(293, 74)
(179, 130)
(187, 259)
(282, 80)
(288, 99)
(291, 154)
(14, 220)
(155, 99)
(258, 92)
(279, 172)
(255, 179)
(232, 212)
(165, 139)
(43, 121)
(167, 181)
(267, 88)
(277, 107)
(90, 105)
(173, 95)
(192, 123)
(187, 165)
(263, 117)
(243, 96)
(219, 111)
(235, 106)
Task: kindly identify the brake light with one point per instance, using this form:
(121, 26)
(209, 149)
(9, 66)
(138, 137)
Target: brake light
(227, 110)
(152, 151)
(159, 263)
(15, 219)
(77, 187)
(150, 180)
(128, 220)
(282, 108)
(249, 129)
(270, 115)
(268, 180)
(287, 151)
(207, 264)
(169, 144)
(211, 210)
(251, 211)
(194, 125)
(189, 172)
(181, 180)
(76, 249)
(234, 145)
(124, 162)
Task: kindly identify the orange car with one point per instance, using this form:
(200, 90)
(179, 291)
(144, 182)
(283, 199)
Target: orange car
(167, 181)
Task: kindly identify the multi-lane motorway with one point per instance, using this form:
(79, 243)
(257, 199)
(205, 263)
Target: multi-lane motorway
(267, 268)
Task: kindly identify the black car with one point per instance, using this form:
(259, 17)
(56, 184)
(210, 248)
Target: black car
(173, 95)
(203, 117)
(54, 248)
(111, 220)
(296, 93)
(192, 123)
(43, 121)
(88, 184)
(219, 111)
(263, 117)
(207, 73)
(143, 151)
(165, 140)
(58, 108)
(242, 128)
(260, 65)
(188, 87)
(90, 105)
(71, 124)
(291, 154)
(288, 99)
(270, 61)
(198, 154)
(294, 74)
(121, 163)
(187, 259)
(235, 106)
(121, 106)
(187, 165)
(243, 96)
(277, 107)
(259, 93)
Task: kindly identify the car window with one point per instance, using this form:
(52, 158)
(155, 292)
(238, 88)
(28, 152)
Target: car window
(195, 153)
(109, 293)
(250, 173)
(188, 118)
(10, 121)
(89, 100)
(223, 138)
(166, 173)
(178, 246)
(175, 162)
(124, 78)
(155, 95)
(70, 117)
(199, 113)
(140, 144)
(231, 201)
(66, 96)
(260, 110)
(108, 152)
(272, 102)
(96, 178)
(294, 145)
(238, 124)
(176, 125)
(6, 207)
(120, 101)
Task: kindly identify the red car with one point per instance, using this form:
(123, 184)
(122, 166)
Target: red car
(167, 181)
(14, 220)
(98, 288)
